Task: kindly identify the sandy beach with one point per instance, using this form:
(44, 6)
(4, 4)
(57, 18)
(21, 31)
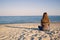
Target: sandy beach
(29, 31)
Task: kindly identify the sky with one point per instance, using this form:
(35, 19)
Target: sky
(29, 7)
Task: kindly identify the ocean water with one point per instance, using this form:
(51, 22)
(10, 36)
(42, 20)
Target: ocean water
(26, 19)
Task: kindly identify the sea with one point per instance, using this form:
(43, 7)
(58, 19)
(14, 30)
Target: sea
(25, 19)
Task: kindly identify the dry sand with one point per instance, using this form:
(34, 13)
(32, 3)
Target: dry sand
(29, 31)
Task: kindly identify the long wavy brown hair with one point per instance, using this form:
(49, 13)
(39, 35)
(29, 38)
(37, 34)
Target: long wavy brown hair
(45, 18)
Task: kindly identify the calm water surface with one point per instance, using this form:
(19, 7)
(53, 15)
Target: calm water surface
(26, 19)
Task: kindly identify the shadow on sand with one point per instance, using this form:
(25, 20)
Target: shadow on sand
(39, 28)
(22, 27)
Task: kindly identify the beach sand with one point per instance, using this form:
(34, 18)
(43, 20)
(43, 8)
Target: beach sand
(29, 31)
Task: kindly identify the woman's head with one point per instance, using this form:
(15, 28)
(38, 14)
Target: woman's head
(45, 17)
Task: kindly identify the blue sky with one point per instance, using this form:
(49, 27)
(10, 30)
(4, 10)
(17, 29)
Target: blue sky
(29, 7)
